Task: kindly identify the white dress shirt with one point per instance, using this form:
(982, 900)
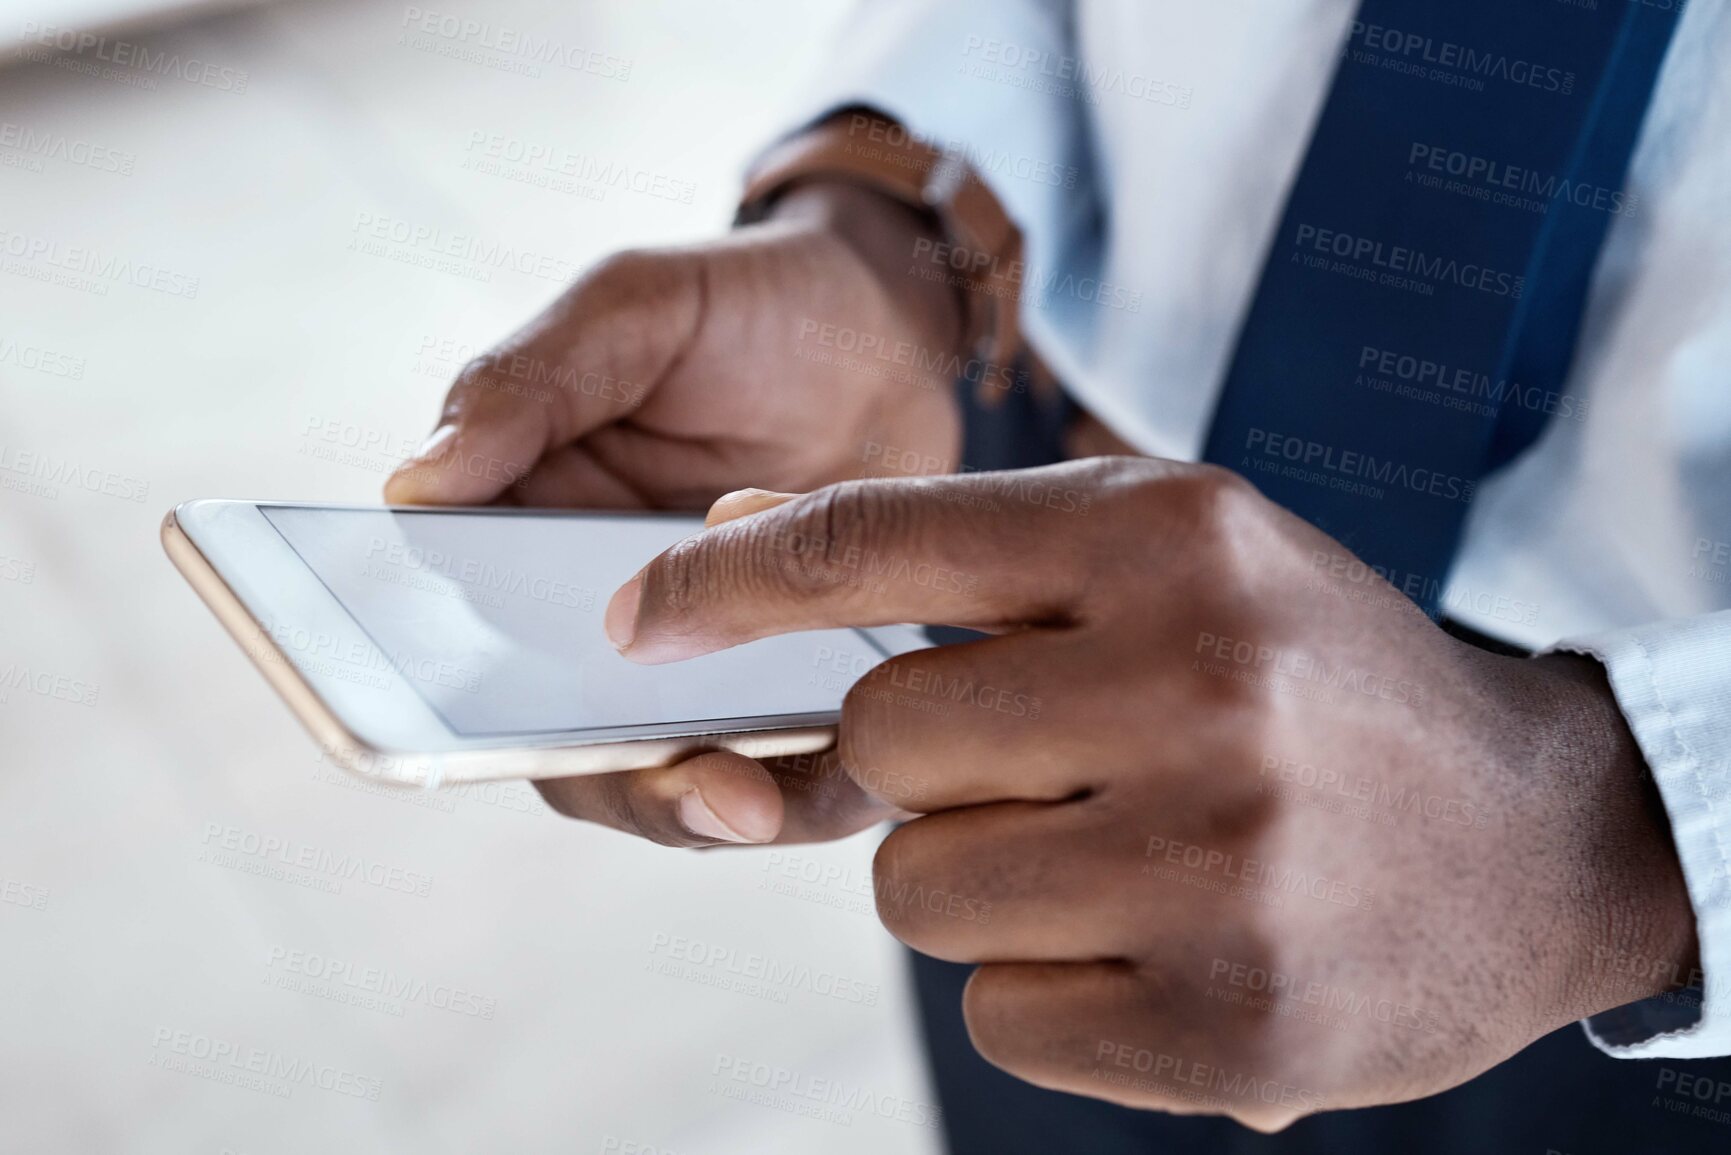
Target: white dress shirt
(1146, 149)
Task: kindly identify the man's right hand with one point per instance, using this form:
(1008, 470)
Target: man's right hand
(666, 379)
(663, 379)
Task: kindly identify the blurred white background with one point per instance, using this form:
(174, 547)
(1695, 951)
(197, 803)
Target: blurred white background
(182, 314)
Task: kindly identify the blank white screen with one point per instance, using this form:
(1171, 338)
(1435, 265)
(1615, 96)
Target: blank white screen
(495, 620)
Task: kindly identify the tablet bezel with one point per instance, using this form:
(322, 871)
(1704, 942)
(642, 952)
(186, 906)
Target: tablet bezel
(269, 600)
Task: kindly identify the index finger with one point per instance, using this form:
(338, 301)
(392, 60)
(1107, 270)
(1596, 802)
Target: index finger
(970, 550)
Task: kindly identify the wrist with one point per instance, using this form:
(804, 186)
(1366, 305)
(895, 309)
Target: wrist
(1635, 930)
(884, 234)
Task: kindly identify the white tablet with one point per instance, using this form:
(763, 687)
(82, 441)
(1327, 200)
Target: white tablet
(448, 645)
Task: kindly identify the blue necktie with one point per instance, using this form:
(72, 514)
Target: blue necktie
(1419, 307)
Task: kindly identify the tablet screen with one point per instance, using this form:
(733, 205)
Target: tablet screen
(495, 620)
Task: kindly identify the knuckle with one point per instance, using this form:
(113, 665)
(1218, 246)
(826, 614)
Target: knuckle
(1217, 505)
(1216, 523)
(787, 552)
(630, 289)
(896, 872)
(824, 540)
(1120, 480)
(1121, 471)
(616, 801)
(630, 805)
(849, 517)
(991, 1018)
(734, 560)
(1241, 817)
(1184, 494)
(864, 740)
(1274, 1053)
(622, 267)
(1225, 684)
(674, 579)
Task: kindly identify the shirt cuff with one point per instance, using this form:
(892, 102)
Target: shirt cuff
(1672, 681)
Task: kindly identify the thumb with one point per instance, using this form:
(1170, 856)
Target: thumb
(711, 799)
(590, 360)
(477, 452)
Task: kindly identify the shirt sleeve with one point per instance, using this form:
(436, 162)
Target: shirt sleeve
(1672, 681)
(995, 82)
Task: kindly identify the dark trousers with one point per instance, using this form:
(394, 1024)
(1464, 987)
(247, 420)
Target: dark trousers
(1561, 1095)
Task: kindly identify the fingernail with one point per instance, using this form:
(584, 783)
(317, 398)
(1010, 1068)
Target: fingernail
(620, 620)
(435, 442)
(696, 816)
(742, 503)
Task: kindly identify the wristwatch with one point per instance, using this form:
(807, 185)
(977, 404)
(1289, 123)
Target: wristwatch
(982, 251)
